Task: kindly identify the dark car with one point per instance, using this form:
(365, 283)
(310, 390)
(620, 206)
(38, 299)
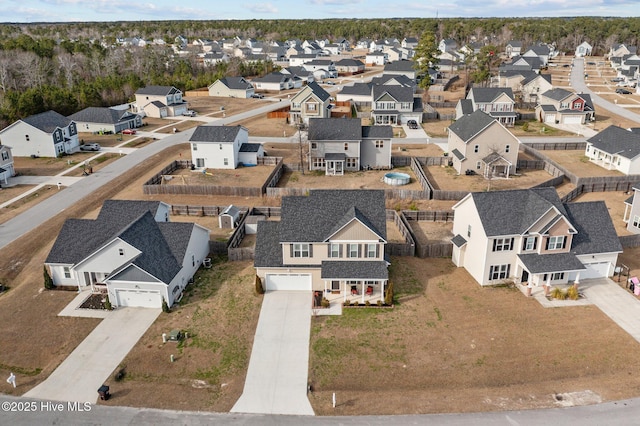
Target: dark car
(257, 96)
(623, 91)
(413, 124)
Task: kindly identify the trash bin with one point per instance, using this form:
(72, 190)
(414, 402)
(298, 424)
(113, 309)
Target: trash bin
(103, 391)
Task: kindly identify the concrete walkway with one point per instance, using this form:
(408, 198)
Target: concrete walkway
(90, 365)
(276, 380)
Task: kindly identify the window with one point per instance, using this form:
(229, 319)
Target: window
(226, 161)
(220, 145)
(301, 250)
(5, 155)
(372, 250)
(478, 165)
(636, 221)
(312, 107)
(379, 144)
(507, 148)
(499, 272)
(346, 146)
(194, 146)
(335, 285)
(476, 148)
(67, 272)
(503, 244)
(469, 231)
(199, 162)
(26, 137)
(352, 162)
(314, 145)
(577, 105)
(334, 250)
(554, 276)
(354, 250)
(121, 252)
(530, 243)
(318, 162)
(556, 243)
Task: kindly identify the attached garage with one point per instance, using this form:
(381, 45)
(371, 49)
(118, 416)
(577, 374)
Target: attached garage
(596, 270)
(572, 119)
(549, 118)
(139, 298)
(288, 282)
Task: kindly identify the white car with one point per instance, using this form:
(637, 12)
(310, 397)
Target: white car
(90, 147)
(190, 113)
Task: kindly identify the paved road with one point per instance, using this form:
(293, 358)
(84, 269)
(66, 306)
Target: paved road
(578, 84)
(90, 365)
(276, 380)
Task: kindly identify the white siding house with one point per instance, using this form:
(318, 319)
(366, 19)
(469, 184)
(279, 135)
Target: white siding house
(47, 134)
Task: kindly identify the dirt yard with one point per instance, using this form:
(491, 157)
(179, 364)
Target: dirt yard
(371, 179)
(432, 232)
(577, 163)
(427, 356)
(242, 176)
(47, 166)
(215, 106)
(447, 179)
(262, 126)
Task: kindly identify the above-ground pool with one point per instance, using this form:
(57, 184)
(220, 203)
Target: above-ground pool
(396, 179)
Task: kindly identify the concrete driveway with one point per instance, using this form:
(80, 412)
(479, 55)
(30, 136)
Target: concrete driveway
(276, 380)
(90, 365)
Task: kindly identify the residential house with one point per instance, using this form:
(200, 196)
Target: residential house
(480, 143)
(339, 144)
(409, 42)
(213, 58)
(341, 253)
(358, 93)
(331, 49)
(540, 51)
(326, 66)
(632, 211)
(512, 79)
(310, 102)
(521, 63)
(529, 236)
(513, 48)
(394, 54)
(615, 148)
(274, 82)
(405, 68)
(47, 134)
(376, 45)
(394, 104)
(344, 44)
(106, 120)
(223, 147)
(6, 164)
(497, 102)
(132, 251)
(562, 106)
(160, 101)
(305, 76)
(299, 60)
(376, 58)
(583, 49)
(618, 50)
(534, 85)
(447, 45)
(349, 66)
(231, 87)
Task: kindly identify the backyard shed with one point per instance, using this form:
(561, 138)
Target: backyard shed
(229, 217)
(251, 224)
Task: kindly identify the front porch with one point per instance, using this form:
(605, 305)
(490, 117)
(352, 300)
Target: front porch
(496, 166)
(337, 291)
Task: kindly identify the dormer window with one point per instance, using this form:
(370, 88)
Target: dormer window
(121, 252)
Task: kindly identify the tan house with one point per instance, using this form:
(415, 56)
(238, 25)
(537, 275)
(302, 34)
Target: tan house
(231, 87)
(534, 85)
(310, 102)
(480, 144)
(562, 106)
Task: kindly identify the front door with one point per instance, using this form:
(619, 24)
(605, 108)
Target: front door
(525, 276)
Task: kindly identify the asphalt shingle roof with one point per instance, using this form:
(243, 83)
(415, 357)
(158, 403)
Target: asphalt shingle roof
(250, 147)
(236, 83)
(340, 129)
(400, 66)
(215, 133)
(596, 233)
(47, 121)
(268, 251)
(384, 132)
(489, 94)
(616, 140)
(549, 263)
(322, 94)
(101, 115)
(467, 126)
(157, 90)
(359, 89)
(399, 93)
(360, 270)
(557, 94)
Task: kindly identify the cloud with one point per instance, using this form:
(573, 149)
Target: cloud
(334, 2)
(262, 8)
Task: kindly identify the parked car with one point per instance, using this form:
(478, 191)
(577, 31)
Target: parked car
(617, 79)
(623, 91)
(257, 96)
(591, 63)
(129, 131)
(189, 113)
(413, 124)
(329, 82)
(90, 147)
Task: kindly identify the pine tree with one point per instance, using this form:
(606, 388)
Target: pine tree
(425, 58)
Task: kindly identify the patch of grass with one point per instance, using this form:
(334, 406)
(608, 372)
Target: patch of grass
(21, 370)
(438, 313)
(405, 281)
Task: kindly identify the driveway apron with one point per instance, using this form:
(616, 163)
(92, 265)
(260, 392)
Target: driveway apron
(89, 366)
(276, 380)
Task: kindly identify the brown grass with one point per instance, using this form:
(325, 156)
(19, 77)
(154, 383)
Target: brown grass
(371, 179)
(446, 179)
(576, 162)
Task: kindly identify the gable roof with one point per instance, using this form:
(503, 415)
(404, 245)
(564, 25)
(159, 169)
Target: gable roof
(468, 126)
(360, 89)
(616, 140)
(329, 211)
(157, 90)
(340, 129)
(534, 76)
(236, 83)
(47, 121)
(402, 65)
(101, 115)
(466, 106)
(318, 91)
(489, 94)
(526, 206)
(384, 132)
(557, 94)
(215, 133)
(399, 93)
(274, 77)
(596, 233)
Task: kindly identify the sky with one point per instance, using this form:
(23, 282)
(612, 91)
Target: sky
(150, 10)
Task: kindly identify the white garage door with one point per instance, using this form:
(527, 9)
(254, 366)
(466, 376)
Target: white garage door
(595, 270)
(288, 282)
(572, 119)
(139, 299)
(550, 118)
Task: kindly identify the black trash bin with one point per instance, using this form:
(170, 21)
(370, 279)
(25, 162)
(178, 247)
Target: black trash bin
(103, 391)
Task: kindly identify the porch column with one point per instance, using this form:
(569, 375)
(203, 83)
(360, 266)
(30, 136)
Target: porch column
(626, 218)
(508, 170)
(518, 274)
(577, 280)
(344, 291)
(362, 291)
(382, 291)
(547, 284)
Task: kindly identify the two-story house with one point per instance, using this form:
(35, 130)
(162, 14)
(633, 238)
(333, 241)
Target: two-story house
(481, 143)
(534, 85)
(310, 102)
(406, 68)
(632, 211)
(497, 102)
(331, 241)
(395, 104)
(131, 250)
(562, 106)
(223, 147)
(513, 48)
(160, 101)
(6, 164)
(530, 236)
(339, 144)
(47, 134)
(615, 148)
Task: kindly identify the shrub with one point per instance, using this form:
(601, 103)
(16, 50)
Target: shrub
(367, 303)
(165, 307)
(325, 302)
(48, 282)
(119, 376)
(107, 304)
(347, 303)
(379, 302)
(556, 293)
(388, 297)
(572, 293)
(259, 288)
(525, 126)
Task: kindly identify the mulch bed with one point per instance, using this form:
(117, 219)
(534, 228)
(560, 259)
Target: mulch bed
(94, 301)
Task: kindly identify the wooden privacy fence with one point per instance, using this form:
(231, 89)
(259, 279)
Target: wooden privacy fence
(628, 241)
(408, 248)
(439, 194)
(422, 178)
(530, 164)
(274, 176)
(556, 181)
(429, 215)
(196, 93)
(185, 210)
(555, 146)
(434, 250)
(605, 186)
(278, 114)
